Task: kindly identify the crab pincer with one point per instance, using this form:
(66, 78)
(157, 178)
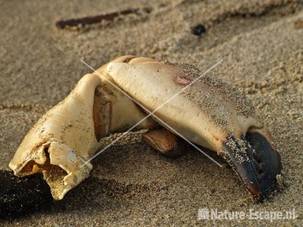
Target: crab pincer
(170, 101)
(206, 111)
(255, 161)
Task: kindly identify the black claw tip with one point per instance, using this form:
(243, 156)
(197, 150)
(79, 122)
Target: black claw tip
(256, 163)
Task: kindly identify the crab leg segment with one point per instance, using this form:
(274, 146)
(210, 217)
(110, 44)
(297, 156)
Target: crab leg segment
(67, 136)
(61, 141)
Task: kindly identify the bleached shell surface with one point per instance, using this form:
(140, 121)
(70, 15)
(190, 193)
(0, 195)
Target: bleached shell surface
(61, 141)
(204, 110)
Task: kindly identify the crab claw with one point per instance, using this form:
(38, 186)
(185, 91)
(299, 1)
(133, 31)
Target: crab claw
(205, 111)
(255, 161)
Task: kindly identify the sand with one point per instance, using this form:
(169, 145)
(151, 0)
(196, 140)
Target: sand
(131, 184)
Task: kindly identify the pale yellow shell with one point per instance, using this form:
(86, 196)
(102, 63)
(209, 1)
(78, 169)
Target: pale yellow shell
(202, 109)
(61, 142)
(64, 139)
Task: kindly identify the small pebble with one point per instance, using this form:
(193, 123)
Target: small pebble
(199, 30)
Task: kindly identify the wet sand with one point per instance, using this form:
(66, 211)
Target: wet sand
(131, 184)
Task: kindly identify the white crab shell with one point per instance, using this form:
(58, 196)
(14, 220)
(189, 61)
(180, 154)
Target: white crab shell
(62, 142)
(63, 139)
(202, 109)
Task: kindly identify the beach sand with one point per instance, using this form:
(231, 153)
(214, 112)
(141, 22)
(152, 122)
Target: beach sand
(131, 184)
